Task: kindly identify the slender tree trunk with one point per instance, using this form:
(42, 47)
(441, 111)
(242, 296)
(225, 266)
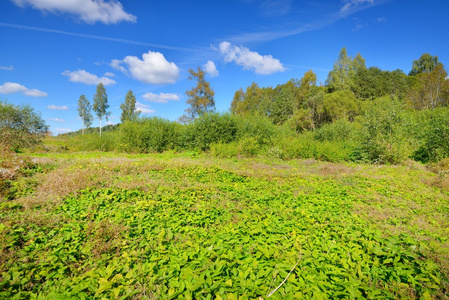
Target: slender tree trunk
(83, 130)
(100, 128)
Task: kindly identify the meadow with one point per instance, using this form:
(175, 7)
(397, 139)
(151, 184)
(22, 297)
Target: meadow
(190, 225)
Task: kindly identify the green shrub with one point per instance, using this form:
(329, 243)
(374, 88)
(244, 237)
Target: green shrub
(209, 129)
(305, 146)
(385, 135)
(221, 150)
(434, 135)
(149, 135)
(258, 127)
(340, 130)
(20, 126)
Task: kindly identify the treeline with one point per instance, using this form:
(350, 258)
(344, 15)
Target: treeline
(350, 88)
(386, 132)
(360, 114)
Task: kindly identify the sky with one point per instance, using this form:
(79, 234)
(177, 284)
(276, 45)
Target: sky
(54, 51)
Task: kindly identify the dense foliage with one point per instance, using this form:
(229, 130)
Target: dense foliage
(173, 227)
(20, 126)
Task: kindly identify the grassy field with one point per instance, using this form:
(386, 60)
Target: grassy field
(187, 226)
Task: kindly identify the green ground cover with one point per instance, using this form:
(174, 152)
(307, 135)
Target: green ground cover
(187, 226)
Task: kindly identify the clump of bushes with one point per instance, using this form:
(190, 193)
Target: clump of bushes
(385, 132)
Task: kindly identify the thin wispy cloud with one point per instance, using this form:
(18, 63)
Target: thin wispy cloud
(160, 98)
(57, 120)
(8, 68)
(349, 7)
(276, 7)
(63, 130)
(351, 4)
(95, 37)
(56, 107)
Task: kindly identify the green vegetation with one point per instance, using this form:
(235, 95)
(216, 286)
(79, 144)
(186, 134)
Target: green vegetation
(299, 192)
(20, 126)
(169, 226)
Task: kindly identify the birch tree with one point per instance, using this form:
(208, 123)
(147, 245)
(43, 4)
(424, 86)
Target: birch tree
(101, 105)
(84, 111)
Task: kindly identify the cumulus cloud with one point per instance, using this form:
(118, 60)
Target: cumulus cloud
(109, 74)
(161, 97)
(83, 76)
(55, 107)
(153, 68)
(56, 120)
(210, 68)
(89, 11)
(145, 109)
(250, 60)
(12, 88)
(9, 68)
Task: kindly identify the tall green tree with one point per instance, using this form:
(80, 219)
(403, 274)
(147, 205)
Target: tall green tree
(341, 77)
(201, 96)
(248, 102)
(306, 84)
(284, 102)
(101, 105)
(430, 90)
(20, 126)
(129, 107)
(84, 111)
(425, 64)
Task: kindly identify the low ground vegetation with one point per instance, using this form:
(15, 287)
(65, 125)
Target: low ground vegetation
(191, 226)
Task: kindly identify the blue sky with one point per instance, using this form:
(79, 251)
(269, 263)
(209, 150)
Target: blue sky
(54, 51)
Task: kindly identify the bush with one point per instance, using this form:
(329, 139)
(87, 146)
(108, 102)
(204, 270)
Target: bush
(305, 146)
(148, 135)
(385, 135)
(262, 129)
(434, 134)
(340, 130)
(209, 129)
(20, 126)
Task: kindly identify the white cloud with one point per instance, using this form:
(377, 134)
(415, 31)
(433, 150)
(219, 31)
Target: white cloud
(110, 123)
(350, 4)
(109, 74)
(153, 68)
(89, 11)
(83, 76)
(250, 60)
(210, 68)
(9, 68)
(145, 109)
(381, 20)
(55, 107)
(12, 88)
(161, 98)
(276, 7)
(56, 120)
(63, 130)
